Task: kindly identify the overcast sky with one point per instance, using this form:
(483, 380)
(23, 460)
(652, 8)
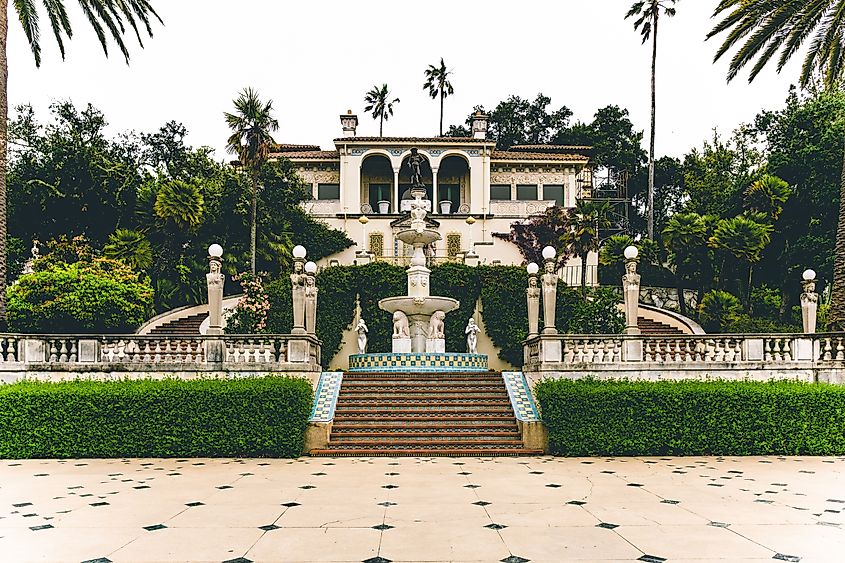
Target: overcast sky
(315, 60)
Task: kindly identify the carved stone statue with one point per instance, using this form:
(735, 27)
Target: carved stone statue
(214, 280)
(400, 325)
(435, 325)
(418, 214)
(415, 164)
(297, 281)
(809, 306)
(311, 304)
(631, 295)
(472, 331)
(362, 330)
(549, 297)
(533, 295)
(36, 254)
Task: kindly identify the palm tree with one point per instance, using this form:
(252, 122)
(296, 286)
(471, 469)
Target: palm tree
(109, 18)
(251, 139)
(180, 203)
(768, 196)
(130, 247)
(744, 239)
(437, 83)
(648, 12)
(377, 102)
(685, 236)
(588, 218)
(762, 28)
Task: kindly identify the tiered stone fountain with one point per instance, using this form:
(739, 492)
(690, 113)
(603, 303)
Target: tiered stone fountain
(418, 338)
(418, 306)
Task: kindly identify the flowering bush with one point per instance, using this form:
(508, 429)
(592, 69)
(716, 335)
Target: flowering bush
(250, 314)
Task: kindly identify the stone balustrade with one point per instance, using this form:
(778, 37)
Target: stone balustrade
(808, 357)
(25, 356)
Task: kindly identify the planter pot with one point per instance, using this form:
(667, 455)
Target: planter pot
(445, 207)
(384, 207)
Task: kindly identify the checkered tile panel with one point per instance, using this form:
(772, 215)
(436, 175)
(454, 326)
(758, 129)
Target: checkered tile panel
(325, 398)
(418, 362)
(520, 395)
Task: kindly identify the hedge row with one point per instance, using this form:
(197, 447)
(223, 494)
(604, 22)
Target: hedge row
(588, 417)
(253, 417)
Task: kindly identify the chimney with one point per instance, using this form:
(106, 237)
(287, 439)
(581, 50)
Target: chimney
(479, 125)
(349, 122)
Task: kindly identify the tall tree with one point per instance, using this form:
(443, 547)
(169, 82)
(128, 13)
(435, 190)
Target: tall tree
(762, 28)
(648, 16)
(252, 126)
(685, 236)
(438, 85)
(109, 18)
(378, 102)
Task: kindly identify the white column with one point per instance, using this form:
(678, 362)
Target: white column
(396, 194)
(435, 195)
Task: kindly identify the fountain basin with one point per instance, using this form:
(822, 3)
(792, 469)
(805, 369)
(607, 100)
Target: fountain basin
(418, 306)
(414, 238)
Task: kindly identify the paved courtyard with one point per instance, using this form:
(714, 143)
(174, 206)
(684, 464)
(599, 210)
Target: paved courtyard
(423, 509)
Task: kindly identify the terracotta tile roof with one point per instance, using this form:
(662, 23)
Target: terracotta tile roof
(539, 156)
(455, 140)
(551, 148)
(310, 155)
(290, 147)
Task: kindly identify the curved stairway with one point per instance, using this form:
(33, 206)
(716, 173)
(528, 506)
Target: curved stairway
(424, 413)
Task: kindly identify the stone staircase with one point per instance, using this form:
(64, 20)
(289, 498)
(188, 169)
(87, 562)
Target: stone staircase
(183, 326)
(650, 327)
(424, 414)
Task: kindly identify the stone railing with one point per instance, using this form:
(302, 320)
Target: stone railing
(136, 353)
(519, 208)
(695, 356)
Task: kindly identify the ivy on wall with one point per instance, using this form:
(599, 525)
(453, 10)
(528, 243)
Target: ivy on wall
(500, 288)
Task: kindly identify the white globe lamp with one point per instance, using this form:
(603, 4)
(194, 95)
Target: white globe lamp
(549, 253)
(532, 268)
(299, 252)
(631, 253)
(809, 275)
(215, 250)
(310, 268)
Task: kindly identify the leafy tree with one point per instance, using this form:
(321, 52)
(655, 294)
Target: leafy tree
(648, 14)
(438, 85)
(744, 239)
(763, 28)
(685, 236)
(109, 18)
(130, 247)
(378, 102)
(252, 126)
(533, 235)
(767, 196)
(612, 255)
(587, 219)
(718, 309)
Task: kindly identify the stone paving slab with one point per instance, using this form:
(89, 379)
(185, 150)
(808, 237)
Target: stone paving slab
(379, 510)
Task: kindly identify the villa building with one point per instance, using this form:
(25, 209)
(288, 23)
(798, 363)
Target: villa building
(474, 192)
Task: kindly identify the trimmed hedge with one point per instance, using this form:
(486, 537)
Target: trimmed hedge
(253, 417)
(626, 418)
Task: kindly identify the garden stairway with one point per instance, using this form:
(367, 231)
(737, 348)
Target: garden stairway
(650, 327)
(424, 414)
(185, 325)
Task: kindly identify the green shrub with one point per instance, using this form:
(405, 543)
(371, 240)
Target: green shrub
(264, 416)
(464, 284)
(374, 282)
(718, 309)
(505, 309)
(100, 295)
(588, 417)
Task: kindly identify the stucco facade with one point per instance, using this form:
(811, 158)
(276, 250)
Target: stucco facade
(476, 191)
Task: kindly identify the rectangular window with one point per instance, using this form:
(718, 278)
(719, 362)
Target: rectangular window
(553, 192)
(328, 191)
(500, 191)
(526, 192)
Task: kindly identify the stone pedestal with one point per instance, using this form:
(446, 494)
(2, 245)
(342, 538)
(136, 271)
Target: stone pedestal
(471, 259)
(299, 351)
(435, 345)
(363, 258)
(87, 351)
(632, 350)
(215, 351)
(401, 345)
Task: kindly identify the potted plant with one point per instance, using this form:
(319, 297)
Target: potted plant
(445, 207)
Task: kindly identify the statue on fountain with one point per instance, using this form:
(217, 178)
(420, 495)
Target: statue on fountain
(472, 331)
(400, 325)
(362, 330)
(435, 325)
(415, 164)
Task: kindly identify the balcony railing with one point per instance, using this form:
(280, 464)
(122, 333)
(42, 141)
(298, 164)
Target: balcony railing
(519, 208)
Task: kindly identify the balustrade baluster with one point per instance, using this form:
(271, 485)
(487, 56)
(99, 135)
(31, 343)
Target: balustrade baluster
(12, 350)
(840, 350)
(787, 350)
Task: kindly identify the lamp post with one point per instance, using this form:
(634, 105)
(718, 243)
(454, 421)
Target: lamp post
(363, 255)
(809, 301)
(470, 257)
(533, 296)
(550, 279)
(215, 280)
(311, 297)
(631, 290)
(298, 281)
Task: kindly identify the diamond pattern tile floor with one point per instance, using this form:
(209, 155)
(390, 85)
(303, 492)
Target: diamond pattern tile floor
(512, 510)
